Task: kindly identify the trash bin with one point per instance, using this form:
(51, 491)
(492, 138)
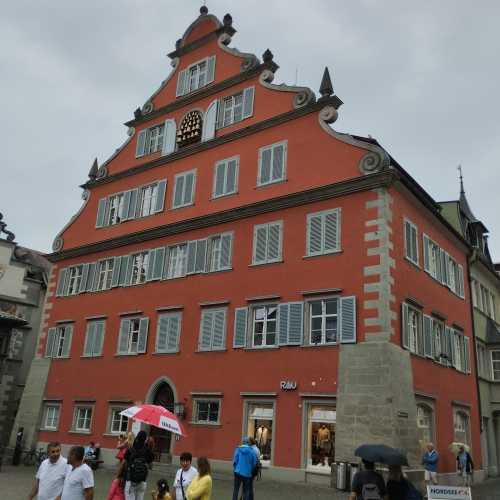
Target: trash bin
(341, 475)
(354, 471)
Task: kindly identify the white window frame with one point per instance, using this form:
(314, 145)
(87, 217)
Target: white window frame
(228, 103)
(104, 274)
(131, 332)
(213, 310)
(323, 214)
(283, 143)
(155, 137)
(177, 261)
(58, 350)
(195, 69)
(323, 317)
(225, 162)
(114, 209)
(45, 424)
(267, 260)
(75, 279)
(426, 407)
(458, 413)
(140, 264)
(214, 252)
(408, 244)
(115, 409)
(265, 322)
(495, 362)
(438, 328)
(76, 418)
(193, 191)
(143, 210)
(196, 410)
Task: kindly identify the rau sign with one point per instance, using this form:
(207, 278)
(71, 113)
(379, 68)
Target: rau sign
(448, 493)
(288, 385)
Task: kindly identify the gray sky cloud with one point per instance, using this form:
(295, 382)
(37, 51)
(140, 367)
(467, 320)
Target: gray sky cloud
(421, 78)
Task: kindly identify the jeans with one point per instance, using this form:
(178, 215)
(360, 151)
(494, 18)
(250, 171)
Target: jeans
(135, 491)
(247, 483)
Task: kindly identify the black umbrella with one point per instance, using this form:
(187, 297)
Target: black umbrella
(382, 454)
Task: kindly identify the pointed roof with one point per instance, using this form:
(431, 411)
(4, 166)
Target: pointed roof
(326, 87)
(462, 201)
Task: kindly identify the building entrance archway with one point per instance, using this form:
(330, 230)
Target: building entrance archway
(162, 394)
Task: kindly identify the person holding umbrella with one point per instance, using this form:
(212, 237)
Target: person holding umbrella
(368, 484)
(137, 460)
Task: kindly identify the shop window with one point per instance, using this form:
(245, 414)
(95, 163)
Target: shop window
(260, 427)
(461, 426)
(82, 421)
(321, 421)
(206, 411)
(495, 364)
(50, 419)
(118, 424)
(425, 424)
(264, 325)
(323, 317)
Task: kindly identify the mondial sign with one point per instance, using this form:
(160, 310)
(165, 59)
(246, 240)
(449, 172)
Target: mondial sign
(448, 493)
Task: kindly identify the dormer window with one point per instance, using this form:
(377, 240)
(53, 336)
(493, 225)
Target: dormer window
(190, 129)
(196, 76)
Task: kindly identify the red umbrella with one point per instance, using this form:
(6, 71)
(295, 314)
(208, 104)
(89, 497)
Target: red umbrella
(155, 415)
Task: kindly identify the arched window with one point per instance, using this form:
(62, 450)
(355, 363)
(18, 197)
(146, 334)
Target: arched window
(190, 129)
(425, 423)
(461, 424)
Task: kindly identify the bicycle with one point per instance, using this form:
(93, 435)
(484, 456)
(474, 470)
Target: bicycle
(33, 457)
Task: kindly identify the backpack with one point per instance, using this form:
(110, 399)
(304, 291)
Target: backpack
(137, 468)
(370, 491)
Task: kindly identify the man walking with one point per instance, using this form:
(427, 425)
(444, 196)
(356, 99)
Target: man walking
(50, 476)
(244, 462)
(79, 481)
(368, 484)
(465, 466)
(430, 463)
(184, 476)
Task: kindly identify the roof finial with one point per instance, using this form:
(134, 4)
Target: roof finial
(462, 191)
(93, 170)
(326, 87)
(204, 8)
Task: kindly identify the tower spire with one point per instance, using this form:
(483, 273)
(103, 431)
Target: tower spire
(459, 168)
(326, 87)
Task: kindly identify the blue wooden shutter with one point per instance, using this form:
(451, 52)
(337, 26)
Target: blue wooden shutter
(89, 339)
(248, 95)
(124, 336)
(158, 263)
(467, 366)
(99, 338)
(460, 284)
(226, 251)
(444, 267)
(446, 347)
(141, 144)
(126, 205)
(151, 264)
(206, 331)
(348, 320)
(181, 83)
(260, 244)
(283, 317)
(66, 347)
(162, 333)
(331, 222)
(405, 334)
(143, 335)
(191, 257)
(201, 256)
(128, 270)
(160, 197)
(240, 327)
(189, 188)
(314, 234)
(295, 323)
(231, 175)
(178, 191)
(219, 329)
(274, 242)
(426, 253)
(174, 330)
(265, 155)
(169, 137)
(219, 179)
(51, 339)
(278, 163)
(61, 283)
(210, 69)
(101, 212)
(428, 340)
(133, 204)
(210, 121)
(115, 276)
(83, 281)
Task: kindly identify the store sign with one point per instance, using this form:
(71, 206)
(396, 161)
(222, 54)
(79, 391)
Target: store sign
(288, 385)
(448, 493)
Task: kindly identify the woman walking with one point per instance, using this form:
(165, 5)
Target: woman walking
(201, 486)
(117, 488)
(137, 460)
(121, 447)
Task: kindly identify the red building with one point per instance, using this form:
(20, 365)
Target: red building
(244, 264)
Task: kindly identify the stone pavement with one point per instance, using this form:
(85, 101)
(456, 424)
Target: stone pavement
(16, 482)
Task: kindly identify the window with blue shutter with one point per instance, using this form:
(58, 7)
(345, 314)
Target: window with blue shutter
(240, 327)
(272, 163)
(66, 342)
(226, 177)
(94, 338)
(141, 144)
(220, 252)
(181, 83)
(212, 330)
(169, 137)
(101, 212)
(323, 232)
(143, 335)
(168, 332)
(91, 277)
(62, 282)
(267, 243)
(411, 241)
(50, 343)
(324, 321)
(196, 256)
(248, 98)
(83, 281)
(348, 320)
(123, 339)
(210, 121)
(184, 186)
(405, 336)
(428, 338)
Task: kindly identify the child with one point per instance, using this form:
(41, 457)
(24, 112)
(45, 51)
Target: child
(161, 492)
(117, 488)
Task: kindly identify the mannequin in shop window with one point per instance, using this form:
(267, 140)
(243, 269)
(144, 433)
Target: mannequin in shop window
(263, 439)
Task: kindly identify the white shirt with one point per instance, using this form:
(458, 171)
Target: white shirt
(77, 480)
(187, 477)
(51, 478)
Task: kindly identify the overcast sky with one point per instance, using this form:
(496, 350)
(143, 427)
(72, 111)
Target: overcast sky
(421, 77)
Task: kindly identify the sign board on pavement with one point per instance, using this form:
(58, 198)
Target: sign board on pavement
(436, 492)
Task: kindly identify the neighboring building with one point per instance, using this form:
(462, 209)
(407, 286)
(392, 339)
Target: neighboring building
(485, 288)
(23, 283)
(240, 262)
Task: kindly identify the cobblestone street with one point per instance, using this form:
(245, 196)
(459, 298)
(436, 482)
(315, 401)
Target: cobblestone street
(15, 484)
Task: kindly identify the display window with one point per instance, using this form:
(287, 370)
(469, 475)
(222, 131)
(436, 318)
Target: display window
(260, 427)
(321, 437)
